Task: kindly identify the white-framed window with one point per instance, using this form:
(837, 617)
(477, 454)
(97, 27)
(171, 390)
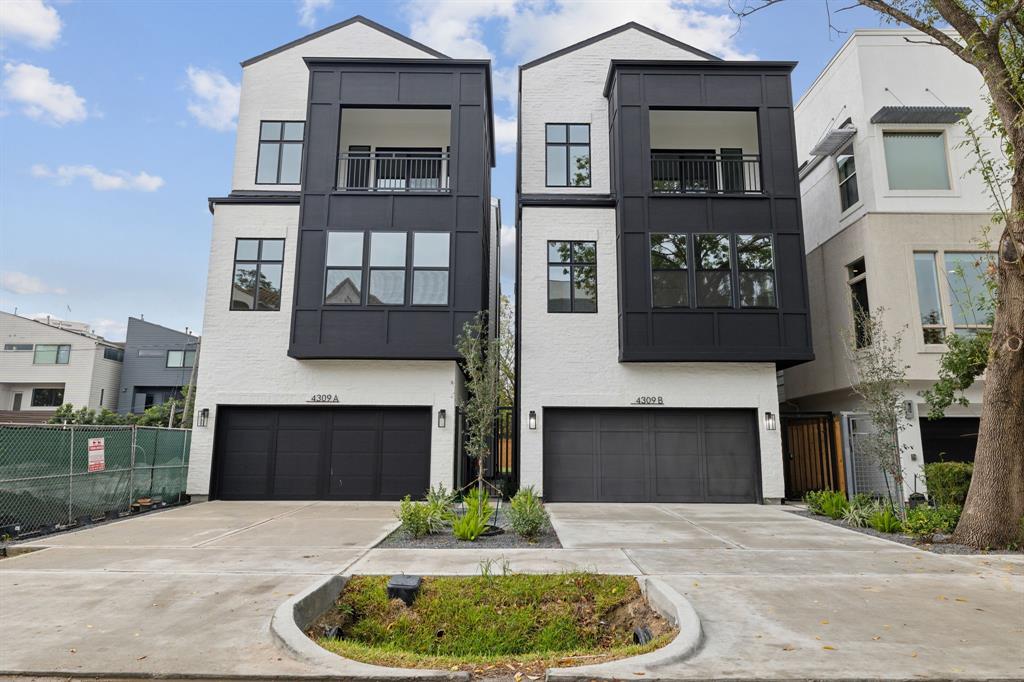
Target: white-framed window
(952, 292)
(916, 160)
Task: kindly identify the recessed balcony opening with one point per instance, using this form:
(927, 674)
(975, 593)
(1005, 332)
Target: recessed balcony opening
(394, 150)
(705, 152)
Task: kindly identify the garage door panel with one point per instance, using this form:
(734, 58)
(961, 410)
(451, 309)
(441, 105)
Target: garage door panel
(674, 465)
(622, 444)
(620, 421)
(618, 464)
(570, 466)
(678, 489)
(675, 421)
(570, 443)
(622, 489)
(318, 453)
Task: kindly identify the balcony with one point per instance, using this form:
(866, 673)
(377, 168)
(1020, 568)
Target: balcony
(394, 150)
(704, 152)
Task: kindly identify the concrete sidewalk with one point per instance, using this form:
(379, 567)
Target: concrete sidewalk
(190, 591)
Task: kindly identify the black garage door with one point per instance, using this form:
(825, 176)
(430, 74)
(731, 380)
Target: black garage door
(650, 455)
(317, 453)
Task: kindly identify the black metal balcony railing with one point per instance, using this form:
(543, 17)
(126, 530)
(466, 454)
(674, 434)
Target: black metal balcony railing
(393, 171)
(696, 173)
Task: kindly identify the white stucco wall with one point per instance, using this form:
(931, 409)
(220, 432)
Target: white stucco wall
(276, 88)
(245, 362)
(571, 360)
(569, 89)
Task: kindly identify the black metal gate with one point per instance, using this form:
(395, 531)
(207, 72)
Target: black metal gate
(500, 466)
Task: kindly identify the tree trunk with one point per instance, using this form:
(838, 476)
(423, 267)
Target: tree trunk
(993, 514)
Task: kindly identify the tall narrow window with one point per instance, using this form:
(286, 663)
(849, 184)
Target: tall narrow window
(387, 268)
(916, 160)
(847, 168)
(572, 277)
(51, 354)
(858, 283)
(344, 280)
(928, 301)
(280, 153)
(968, 293)
(756, 262)
(430, 268)
(714, 271)
(670, 278)
(568, 154)
(256, 284)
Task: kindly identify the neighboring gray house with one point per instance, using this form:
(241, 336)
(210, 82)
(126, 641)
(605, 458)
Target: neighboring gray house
(157, 364)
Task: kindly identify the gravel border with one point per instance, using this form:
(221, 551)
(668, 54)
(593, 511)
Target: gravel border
(399, 539)
(934, 547)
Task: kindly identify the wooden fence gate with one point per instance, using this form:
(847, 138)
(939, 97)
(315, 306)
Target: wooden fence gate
(813, 454)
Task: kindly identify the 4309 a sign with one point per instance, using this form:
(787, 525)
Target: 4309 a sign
(323, 398)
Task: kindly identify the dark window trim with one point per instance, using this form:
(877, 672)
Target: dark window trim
(862, 337)
(690, 293)
(413, 269)
(733, 279)
(19, 347)
(571, 265)
(258, 263)
(57, 393)
(370, 268)
(56, 359)
(184, 357)
(567, 144)
(280, 142)
(774, 271)
(118, 354)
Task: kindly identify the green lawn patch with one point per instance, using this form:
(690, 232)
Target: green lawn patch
(521, 622)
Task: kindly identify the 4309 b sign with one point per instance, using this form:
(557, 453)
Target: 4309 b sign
(648, 400)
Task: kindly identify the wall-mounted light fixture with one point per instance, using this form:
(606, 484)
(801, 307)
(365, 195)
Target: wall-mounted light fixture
(908, 410)
(769, 421)
(204, 417)
(532, 421)
(442, 418)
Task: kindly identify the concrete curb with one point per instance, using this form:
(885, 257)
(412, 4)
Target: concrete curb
(291, 618)
(674, 607)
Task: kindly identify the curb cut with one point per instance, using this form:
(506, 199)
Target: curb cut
(288, 624)
(670, 604)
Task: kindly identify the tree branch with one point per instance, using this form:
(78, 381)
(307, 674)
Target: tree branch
(1010, 13)
(939, 35)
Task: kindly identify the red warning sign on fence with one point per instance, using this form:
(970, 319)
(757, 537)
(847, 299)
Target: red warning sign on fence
(97, 453)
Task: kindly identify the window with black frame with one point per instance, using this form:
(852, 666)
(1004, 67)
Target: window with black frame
(387, 268)
(572, 277)
(280, 153)
(847, 169)
(344, 277)
(755, 260)
(670, 277)
(857, 280)
(430, 264)
(567, 154)
(47, 397)
(713, 270)
(256, 284)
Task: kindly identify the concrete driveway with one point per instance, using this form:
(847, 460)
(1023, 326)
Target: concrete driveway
(190, 591)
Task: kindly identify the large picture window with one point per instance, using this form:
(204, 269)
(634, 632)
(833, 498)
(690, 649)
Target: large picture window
(714, 271)
(51, 354)
(567, 154)
(280, 154)
(756, 263)
(846, 166)
(374, 268)
(572, 277)
(916, 160)
(256, 284)
(670, 277)
(47, 397)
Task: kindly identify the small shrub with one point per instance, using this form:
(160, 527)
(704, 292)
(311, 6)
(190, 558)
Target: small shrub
(864, 501)
(414, 517)
(924, 521)
(885, 520)
(474, 521)
(439, 502)
(526, 515)
(830, 503)
(948, 482)
(858, 515)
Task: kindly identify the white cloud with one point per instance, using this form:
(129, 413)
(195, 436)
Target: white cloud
(112, 330)
(65, 175)
(308, 10)
(30, 21)
(505, 133)
(456, 27)
(508, 254)
(20, 283)
(40, 96)
(214, 101)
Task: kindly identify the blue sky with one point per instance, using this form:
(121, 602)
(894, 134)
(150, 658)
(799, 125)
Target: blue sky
(117, 122)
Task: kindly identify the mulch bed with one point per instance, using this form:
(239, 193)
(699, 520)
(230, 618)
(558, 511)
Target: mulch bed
(507, 540)
(934, 546)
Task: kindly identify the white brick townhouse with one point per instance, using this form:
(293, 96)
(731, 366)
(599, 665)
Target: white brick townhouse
(660, 272)
(352, 248)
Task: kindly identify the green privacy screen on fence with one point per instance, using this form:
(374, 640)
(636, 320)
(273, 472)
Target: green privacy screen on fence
(55, 474)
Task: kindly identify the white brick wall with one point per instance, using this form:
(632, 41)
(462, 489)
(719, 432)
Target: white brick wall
(569, 89)
(244, 357)
(571, 360)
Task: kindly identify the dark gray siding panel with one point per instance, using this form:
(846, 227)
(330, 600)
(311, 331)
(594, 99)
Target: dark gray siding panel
(151, 371)
(399, 332)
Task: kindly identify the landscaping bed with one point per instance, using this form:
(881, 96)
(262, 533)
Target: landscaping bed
(493, 625)
(507, 539)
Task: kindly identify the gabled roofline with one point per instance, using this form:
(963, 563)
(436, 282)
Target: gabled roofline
(619, 29)
(96, 338)
(132, 318)
(753, 65)
(358, 19)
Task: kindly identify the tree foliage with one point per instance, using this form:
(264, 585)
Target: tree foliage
(157, 415)
(482, 368)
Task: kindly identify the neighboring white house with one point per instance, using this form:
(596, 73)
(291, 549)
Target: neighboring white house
(45, 365)
(893, 218)
(328, 366)
(660, 279)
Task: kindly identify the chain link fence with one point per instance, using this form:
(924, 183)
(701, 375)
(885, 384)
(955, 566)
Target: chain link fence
(53, 476)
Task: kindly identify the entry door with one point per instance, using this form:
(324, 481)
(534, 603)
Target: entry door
(16, 406)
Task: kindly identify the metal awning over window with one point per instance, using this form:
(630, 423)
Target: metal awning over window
(920, 114)
(833, 141)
